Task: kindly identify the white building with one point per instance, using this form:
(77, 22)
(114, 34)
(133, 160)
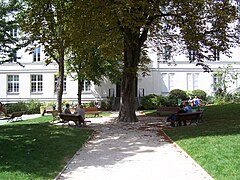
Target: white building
(37, 81)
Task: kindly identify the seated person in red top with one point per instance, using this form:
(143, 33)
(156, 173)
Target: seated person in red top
(173, 117)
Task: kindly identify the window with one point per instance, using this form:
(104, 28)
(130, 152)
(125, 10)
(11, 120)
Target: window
(36, 83)
(192, 81)
(86, 86)
(141, 92)
(216, 55)
(14, 56)
(192, 55)
(14, 32)
(13, 83)
(171, 81)
(111, 92)
(36, 54)
(167, 53)
(215, 81)
(168, 80)
(56, 83)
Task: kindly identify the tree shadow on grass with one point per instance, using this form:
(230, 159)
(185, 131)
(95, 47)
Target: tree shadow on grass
(38, 150)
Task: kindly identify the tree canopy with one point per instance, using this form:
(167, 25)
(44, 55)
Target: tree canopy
(44, 23)
(9, 41)
(205, 26)
(123, 28)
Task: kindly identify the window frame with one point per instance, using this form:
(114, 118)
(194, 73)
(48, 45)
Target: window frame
(15, 85)
(37, 54)
(168, 80)
(86, 87)
(38, 83)
(192, 81)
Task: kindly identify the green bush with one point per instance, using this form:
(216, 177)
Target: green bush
(166, 101)
(200, 94)
(163, 100)
(105, 105)
(33, 107)
(177, 94)
(150, 101)
(91, 104)
(29, 107)
(14, 107)
(235, 98)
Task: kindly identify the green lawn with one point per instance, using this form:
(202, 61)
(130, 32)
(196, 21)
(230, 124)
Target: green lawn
(214, 144)
(102, 114)
(34, 149)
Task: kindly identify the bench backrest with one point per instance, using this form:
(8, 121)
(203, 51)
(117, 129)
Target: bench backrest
(49, 108)
(168, 109)
(91, 109)
(16, 114)
(71, 117)
(188, 116)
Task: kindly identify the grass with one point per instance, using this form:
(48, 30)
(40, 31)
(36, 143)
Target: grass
(34, 149)
(214, 144)
(102, 114)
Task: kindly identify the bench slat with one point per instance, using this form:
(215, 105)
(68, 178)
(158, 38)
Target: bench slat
(92, 110)
(161, 110)
(193, 117)
(15, 115)
(77, 119)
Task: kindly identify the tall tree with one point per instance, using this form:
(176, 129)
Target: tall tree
(224, 77)
(201, 25)
(9, 42)
(86, 64)
(44, 23)
(91, 57)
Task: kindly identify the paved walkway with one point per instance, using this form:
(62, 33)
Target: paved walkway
(24, 117)
(138, 151)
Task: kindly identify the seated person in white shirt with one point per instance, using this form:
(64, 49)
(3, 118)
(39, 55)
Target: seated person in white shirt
(80, 111)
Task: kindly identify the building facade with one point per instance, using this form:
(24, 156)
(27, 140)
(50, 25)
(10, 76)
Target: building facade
(36, 80)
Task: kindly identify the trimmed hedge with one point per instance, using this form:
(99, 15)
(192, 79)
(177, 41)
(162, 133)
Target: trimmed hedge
(29, 107)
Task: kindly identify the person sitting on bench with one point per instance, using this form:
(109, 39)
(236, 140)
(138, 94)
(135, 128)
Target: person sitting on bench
(187, 107)
(67, 109)
(80, 111)
(173, 117)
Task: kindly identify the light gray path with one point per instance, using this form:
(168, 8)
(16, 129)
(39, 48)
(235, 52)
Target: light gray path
(24, 117)
(131, 151)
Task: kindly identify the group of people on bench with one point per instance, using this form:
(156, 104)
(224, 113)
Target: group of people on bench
(78, 111)
(182, 109)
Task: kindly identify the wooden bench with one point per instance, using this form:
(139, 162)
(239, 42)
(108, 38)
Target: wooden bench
(192, 117)
(15, 116)
(167, 110)
(49, 109)
(3, 116)
(92, 110)
(77, 119)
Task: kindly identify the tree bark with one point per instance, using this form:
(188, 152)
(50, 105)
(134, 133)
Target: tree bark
(131, 59)
(80, 85)
(60, 83)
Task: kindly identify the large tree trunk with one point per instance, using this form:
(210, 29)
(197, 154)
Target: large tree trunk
(127, 107)
(131, 59)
